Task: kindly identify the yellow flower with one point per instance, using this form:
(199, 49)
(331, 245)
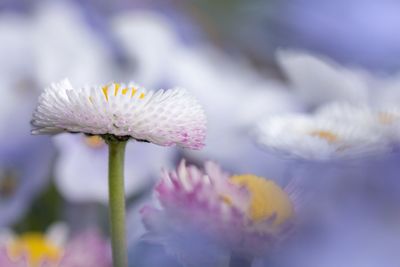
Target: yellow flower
(36, 249)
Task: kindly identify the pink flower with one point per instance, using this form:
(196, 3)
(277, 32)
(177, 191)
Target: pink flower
(246, 214)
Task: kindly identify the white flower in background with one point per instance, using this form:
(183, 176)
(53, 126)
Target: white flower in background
(384, 119)
(317, 80)
(25, 161)
(385, 102)
(387, 120)
(140, 34)
(387, 91)
(317, 138)
(78, 181)
(342, 112)
(163, 117)
(236, 97)
(65, 46)
(246, 95)
(345, 95)
(388, 115)
(16, 77)
(15, 50)
(266, 98)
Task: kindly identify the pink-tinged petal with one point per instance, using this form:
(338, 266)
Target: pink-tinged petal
(210, 203)
(166, 118)
(87, 250)
(5, 260)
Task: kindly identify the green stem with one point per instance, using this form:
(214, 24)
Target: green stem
(117, 202)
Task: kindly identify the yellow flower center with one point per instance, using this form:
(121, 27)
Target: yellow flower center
(267, 199)
(326, 135)
(36, 249)
(94, 141)
(116, 86)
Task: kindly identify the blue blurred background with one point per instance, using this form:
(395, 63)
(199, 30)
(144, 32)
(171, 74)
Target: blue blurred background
(225, 52)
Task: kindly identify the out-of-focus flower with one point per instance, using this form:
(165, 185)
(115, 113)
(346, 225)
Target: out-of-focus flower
(387, 120)
(347, 113)
(77, 52)
(337, 153)
(247, 95)
(78, 181)
(243, 214)
(386, 91)
(325, 81)
(380, 119)
(24, 172)
(23, 46)
(322, 80)
(14, 49)
(348, 104)
(144, 58)
(163, 117)
(318, 138)
(35, 249)
(247, 98)
(16, 78)
(25, 162)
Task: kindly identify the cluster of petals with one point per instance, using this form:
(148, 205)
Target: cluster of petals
(230, 210)
(354, 114)
(86, 249)
(334, 132)
(383, 120)
(163, 117)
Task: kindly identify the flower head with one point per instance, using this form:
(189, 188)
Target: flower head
(318, 138)
(384, 120)
(163, 117)
(244, 213)
(35, 249)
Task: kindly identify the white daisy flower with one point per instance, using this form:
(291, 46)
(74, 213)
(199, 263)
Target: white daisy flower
(387, 120)
(125, 111)
(388, 115)
(386, 90)
(347, 113)
(313, 138)
(384, 120)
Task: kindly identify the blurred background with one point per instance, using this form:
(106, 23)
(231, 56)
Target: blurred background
(227, 53)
